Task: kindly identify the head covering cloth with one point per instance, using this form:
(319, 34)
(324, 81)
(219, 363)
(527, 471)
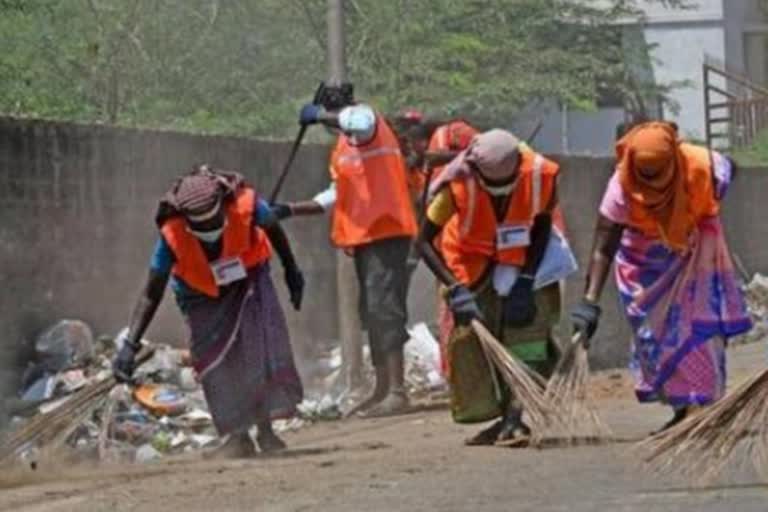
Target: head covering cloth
(495, 154)
(653, 172)
(197, 193)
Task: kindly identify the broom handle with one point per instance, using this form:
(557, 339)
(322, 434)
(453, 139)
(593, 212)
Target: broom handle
(567, 352)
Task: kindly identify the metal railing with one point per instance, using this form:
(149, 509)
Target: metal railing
(735, 109)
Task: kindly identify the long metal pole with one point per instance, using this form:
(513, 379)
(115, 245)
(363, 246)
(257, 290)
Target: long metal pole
(350, 330)
(337, 62)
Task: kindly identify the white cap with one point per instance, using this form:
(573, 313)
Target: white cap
(358, 121)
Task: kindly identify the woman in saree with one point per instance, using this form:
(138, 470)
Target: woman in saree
(660, 222)
(216, 239)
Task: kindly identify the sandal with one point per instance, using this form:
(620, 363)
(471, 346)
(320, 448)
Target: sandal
(486, 437)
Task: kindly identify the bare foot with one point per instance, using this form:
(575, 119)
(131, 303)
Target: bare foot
(238, 446)
(366, 404)
(396, 402)
(270, 443)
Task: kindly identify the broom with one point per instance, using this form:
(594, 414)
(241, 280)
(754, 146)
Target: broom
(702, 445)
(49, 430)
(568, 390)
(528, 386)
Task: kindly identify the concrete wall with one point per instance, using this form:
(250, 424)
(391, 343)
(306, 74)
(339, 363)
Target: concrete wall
(77, 204)
(573, 132)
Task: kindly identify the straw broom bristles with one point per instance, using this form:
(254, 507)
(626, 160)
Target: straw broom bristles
(51, 429)
(46, 427)
(568, 391)
(526, 384)
(701, 446)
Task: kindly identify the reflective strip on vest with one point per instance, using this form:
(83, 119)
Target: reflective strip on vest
(442, 137)
(365, 155)
(466, 226)
(538, 163)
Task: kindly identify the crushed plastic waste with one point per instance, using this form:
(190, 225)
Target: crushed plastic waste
(41, 389)
(160, 400)
(147, 453)
(756, 293)
(66, 344)
(422, 361)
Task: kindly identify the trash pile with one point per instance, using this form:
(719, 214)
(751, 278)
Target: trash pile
(166, 414)
(327, 393)
(757, 304)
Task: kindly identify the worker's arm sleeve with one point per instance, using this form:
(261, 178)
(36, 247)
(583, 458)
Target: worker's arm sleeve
(162, 257)
(723, 174)
(441, 208)
(326, 198)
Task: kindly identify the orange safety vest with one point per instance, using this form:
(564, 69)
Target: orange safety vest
(372, 198)
(469, 242)
(241, 239)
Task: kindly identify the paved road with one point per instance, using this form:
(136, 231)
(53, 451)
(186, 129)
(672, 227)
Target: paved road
(410, 463)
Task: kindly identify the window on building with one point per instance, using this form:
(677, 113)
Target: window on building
(756, 57)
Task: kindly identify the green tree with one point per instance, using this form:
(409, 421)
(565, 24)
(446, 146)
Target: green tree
(245, 66)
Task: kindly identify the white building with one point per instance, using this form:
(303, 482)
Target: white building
(683, 39)
(733, 33)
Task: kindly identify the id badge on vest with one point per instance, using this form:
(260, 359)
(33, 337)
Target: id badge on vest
(510, 236)
(228, 270)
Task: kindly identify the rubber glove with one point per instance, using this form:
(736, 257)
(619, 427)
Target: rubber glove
(463, 305)
(310, 114)
(520, 305)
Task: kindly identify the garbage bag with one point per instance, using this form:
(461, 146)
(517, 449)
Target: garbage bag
(68, 343)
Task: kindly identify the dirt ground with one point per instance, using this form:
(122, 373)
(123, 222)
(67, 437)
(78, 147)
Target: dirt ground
(414, 462)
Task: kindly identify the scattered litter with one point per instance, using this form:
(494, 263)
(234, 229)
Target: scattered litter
(134, 426)
(202, 440)
(72, 380)
(147, 453)
(167, 413)
(41, 389)
(161, 441)
(422, 361)
(187, 379)
(67, 344)
(178, 440)
(756, 293)
(324, 409)
(161, 400)
(195, 419)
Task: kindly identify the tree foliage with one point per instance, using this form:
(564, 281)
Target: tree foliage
(244, 66)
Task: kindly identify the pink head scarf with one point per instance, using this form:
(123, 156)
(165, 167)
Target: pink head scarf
(494, 153)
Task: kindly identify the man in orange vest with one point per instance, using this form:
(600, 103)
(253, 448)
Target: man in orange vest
(373, 220)
(432, 143)
(495, 208)
(216, 239)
